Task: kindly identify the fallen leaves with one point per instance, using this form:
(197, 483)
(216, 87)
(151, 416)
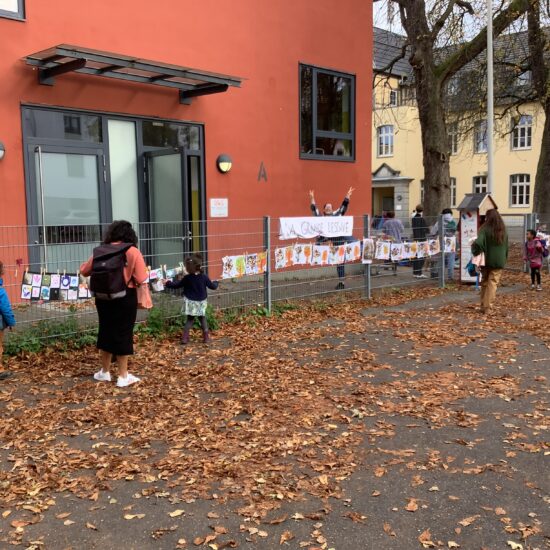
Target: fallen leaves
(412, 505)
(425, 539)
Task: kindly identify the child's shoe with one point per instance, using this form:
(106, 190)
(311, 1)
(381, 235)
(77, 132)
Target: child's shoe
(185, 337)
(102, 376)
(127, 380)
(206, 337)
(539, 287)
(532, 287)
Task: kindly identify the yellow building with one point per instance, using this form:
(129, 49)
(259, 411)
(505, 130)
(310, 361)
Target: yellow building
(397, 149)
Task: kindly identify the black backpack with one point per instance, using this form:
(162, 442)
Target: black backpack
(107, 280)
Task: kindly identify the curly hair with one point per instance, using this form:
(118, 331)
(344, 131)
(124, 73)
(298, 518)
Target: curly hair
(120, 231)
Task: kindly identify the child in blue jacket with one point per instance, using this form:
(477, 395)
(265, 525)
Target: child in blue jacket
(7, 318)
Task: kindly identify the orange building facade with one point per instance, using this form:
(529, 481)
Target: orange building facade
(102, 118)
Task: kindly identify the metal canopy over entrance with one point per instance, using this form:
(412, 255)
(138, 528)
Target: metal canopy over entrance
(65, 58)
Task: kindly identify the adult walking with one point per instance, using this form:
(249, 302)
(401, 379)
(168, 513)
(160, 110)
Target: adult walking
(420, 231)
(492, 241)
(336, 241)
(117, 312)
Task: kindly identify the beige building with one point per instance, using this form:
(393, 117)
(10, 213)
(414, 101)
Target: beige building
(397, 150)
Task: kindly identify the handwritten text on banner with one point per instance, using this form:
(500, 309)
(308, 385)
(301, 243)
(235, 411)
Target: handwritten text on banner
(321, 226)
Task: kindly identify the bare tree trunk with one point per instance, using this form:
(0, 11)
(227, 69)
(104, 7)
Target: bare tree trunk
(541, 74)
(541, 199)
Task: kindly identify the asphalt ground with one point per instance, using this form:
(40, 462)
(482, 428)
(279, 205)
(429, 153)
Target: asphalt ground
(413, 422)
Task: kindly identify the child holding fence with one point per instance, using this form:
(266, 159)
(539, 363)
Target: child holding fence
(7, 319)
(195, 294)
(534, 254)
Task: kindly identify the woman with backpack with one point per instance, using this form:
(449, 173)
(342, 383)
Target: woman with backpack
(116, 269)
(492, 241)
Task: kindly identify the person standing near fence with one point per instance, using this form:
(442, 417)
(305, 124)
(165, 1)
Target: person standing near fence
(449, 230)
(393, 228)
(419, 232)
(534, 254)
(195, 296)
(117, 314)
(492, 241)
(336, 241)
(7, 320)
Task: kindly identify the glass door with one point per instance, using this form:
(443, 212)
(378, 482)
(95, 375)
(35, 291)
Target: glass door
(65, 186)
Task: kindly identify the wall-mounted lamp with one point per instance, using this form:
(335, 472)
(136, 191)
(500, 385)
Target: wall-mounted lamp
(224, 163)
(2, 150)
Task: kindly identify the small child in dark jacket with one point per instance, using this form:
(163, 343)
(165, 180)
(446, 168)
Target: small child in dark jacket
(195, 295)
(7, 319)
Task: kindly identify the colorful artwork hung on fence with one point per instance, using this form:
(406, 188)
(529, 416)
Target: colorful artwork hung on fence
(53, 286)
(247, 264)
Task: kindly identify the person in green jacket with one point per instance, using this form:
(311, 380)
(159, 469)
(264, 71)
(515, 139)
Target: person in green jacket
(492, 240)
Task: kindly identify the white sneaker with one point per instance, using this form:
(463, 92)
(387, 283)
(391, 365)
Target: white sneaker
(422, 276)
(532, 287)
(127, 381)
(102, 376)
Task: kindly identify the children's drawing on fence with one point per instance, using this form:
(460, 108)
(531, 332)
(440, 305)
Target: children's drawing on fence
(65, 282)
(434, 247)
(299, 257)
(26, 291)
(83, 291)
(47, 280)
(72, 294)
(45, 293)
(36, 279)
(35, 293)
(450, 244)
(319, 254)
(368, 251)
(396, 252)
(55, 280)
(382, 251)
(252, 264)
(27, 278)
(423, 249)
(353, 251)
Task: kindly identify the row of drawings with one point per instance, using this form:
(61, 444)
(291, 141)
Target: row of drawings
(53, 286)
(387, 250)
(244, 264)
(314, 254)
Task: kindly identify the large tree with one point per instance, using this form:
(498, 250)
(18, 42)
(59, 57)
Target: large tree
(538, 61)
(429, 26)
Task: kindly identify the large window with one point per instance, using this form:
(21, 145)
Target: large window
(12, 9)
(453, 138)
(327, 114)
(453, 192)
(480, 137)
(521, 132)
(520, 190)
(480, 184)
(385, 140)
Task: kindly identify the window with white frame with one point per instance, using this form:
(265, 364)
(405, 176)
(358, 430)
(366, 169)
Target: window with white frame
(480, 184)
(385, 140)
(480, 136)
(522, 132)
(393, 98)
(12, 9)
(453, 138)
(421, 191)
(520, 190)
(453, 192)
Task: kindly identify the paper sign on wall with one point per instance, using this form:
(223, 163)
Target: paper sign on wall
(219, 208)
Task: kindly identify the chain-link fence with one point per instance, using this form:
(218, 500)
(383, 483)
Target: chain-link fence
(59, 250)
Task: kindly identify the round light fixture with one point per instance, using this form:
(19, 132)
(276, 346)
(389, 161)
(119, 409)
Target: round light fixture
(2, 150)
(224, 163)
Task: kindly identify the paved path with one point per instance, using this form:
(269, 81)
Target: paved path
(412, 425)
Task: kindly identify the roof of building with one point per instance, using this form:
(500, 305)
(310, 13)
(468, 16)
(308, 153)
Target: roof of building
(387, 48)
(474, 201)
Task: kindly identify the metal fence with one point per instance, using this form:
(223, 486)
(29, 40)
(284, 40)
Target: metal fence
(62, 249)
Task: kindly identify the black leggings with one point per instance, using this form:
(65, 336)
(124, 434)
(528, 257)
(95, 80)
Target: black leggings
(191, 320)
(535, 272)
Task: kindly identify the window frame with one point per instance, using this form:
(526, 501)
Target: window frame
(17, 16)
(453, 192)
(315, 133)
(526, 184)
(378, 134)
(517, 128)
(484, 184)
(453, 138)
(395, 95)
(477, 126)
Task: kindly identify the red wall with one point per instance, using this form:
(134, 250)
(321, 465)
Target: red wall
(260, 41)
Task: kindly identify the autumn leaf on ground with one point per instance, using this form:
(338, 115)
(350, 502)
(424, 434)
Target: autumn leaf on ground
(91, 526)
(514, 545)
(286, 536)
(500, 511)
(134, 516)
(469, 520)
(388, 530)
(425, 539)
(412, 506)
(176, 513)
(452, 544)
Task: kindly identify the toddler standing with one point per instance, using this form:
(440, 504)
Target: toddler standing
(7, 319)
(534, 250)
(195, 295)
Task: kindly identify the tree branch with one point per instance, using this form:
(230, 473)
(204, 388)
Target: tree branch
(470, 50)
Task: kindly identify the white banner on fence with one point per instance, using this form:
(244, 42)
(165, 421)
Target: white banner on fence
(315, 226)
